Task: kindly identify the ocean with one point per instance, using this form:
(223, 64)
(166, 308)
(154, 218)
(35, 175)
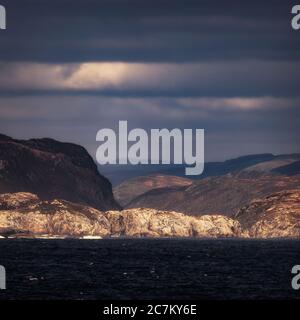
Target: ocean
(149, 269)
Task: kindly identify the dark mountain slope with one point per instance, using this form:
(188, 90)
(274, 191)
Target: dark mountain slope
(53, 169)
(224, 194)
(132, 188)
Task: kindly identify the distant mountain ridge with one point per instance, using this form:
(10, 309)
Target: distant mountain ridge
(120, 173)
(289, 169)
(224, 187)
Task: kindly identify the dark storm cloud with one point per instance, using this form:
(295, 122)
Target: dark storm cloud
(243, 48)
(156, 30)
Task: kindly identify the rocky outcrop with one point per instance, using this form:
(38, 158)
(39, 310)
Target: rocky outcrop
(25, 214)
(225, 194)
(277, 215)
(9, 201)
(156, 223)
(53, 169)
(131, 189)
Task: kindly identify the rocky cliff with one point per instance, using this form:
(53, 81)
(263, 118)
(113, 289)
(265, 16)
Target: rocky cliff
(25, 214)
(53, 169)
(156, 223)
(277, 215)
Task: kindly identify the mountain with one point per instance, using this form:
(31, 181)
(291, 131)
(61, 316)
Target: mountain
(132, 188)
(288, 169)
(25, 215)
(53, 169)
(277, 165)
(120, 173)
(225, 194)
(277, 215)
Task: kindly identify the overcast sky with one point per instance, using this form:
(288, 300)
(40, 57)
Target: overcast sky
(71, 67)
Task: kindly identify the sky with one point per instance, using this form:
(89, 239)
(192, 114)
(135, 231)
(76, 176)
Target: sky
(71, 67)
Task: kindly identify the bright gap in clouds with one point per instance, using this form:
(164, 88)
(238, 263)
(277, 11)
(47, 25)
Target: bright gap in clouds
(222, 79)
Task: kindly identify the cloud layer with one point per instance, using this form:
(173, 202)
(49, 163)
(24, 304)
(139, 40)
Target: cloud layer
(148, 31)
(219, 79)
(233, 126)
(71, 67)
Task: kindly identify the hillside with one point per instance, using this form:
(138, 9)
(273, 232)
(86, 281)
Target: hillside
(52, 169)
(224, 194)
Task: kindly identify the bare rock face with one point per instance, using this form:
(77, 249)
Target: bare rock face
(53, 169)
(24, 213)
(277, 215)
(130, 189)
(155, 223)
(9, 201)
(55, 217)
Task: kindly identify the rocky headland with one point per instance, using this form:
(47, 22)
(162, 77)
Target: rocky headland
(53, 169)
(275, 216)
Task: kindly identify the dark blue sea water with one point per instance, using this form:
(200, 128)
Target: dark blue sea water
(149, 269)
